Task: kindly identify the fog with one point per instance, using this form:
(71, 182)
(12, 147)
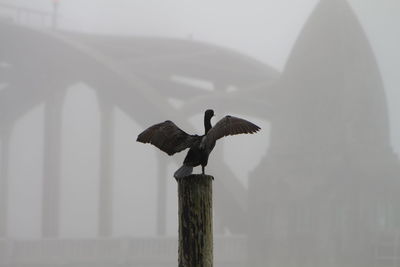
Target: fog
(79, 80)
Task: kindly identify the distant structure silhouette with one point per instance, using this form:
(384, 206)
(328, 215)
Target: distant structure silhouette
(171, 139)
(327, 191)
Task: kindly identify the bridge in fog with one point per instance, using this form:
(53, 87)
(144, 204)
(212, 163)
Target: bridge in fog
(139, 76)
(45, 64)
(324, 193)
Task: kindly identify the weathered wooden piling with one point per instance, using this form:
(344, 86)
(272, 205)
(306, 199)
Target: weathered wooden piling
(195, 221)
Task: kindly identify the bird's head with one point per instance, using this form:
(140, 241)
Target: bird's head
(209, 113)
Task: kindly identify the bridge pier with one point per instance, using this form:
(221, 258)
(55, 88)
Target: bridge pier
(105, 222)
(5, 156)
(161, 197)
(52, 164)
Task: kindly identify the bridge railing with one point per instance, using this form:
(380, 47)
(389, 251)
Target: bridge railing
(157, 250)
(25, 16)
(387, 249)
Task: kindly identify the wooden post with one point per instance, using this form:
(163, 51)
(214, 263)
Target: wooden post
(195, 221)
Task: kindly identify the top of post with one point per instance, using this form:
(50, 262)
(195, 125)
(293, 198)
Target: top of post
(195, 178)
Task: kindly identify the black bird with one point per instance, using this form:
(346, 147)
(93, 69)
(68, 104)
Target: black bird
(170, 139)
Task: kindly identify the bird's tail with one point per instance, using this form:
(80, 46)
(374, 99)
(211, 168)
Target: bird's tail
(183, 171)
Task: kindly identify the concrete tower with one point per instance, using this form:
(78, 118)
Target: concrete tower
(330, 165)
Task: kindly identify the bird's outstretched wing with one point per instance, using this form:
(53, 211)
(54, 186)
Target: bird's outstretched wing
(230, 125)
(167, 137)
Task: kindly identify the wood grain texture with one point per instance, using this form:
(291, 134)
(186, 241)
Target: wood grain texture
(195, 221)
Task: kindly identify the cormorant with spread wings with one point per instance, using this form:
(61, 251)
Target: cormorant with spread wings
(171, 139)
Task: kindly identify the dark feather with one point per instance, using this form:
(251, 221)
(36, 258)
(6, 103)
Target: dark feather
(230, 125)
(168, 137)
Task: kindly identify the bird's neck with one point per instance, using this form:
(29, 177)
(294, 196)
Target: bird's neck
(207, 124)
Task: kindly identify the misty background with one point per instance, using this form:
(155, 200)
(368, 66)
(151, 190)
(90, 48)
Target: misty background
(245, 47)
(265, 30)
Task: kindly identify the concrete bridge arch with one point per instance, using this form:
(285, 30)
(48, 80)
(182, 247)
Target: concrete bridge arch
(136, 74)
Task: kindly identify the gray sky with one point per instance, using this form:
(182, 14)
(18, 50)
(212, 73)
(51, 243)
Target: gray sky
(263, 29)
